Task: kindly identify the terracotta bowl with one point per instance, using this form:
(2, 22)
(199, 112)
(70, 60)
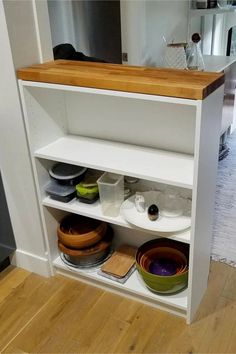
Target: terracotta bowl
(162, 242)
(79, 232)
(90, 255)
(166, 254)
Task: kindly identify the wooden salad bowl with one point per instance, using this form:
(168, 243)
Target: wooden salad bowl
(79, 232)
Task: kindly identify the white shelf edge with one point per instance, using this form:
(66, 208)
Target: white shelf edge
(133, 286)
(157, 165)
(97, 91)
(94, 211)
(215, 11)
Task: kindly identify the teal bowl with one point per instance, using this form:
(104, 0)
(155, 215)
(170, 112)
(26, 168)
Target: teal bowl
(164, 285)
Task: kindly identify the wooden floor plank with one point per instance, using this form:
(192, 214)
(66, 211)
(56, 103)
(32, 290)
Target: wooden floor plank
(141, 329)
(49, 330)
(61, 315)
(220, 327)
(165, 334)
(23, 303)
(13, 350)
(10, 279)
(116, 326)
(95, 320)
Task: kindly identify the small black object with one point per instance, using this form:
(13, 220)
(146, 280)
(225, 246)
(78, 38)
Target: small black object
(66, 51)
(153, 212)
(211, 4)
(196, 37)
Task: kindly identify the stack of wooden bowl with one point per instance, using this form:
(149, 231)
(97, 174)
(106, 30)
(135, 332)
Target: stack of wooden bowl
(163, 265)
(84, 242)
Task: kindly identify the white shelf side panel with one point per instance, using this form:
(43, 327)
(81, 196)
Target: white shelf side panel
(94, 211)
(125, 159)
(133, 286)
(206, 162)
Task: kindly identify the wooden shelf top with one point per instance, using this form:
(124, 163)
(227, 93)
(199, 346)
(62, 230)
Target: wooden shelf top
(155, 81)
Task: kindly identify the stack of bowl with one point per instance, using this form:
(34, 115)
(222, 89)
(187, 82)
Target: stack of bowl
(163, 265)
(84, 242)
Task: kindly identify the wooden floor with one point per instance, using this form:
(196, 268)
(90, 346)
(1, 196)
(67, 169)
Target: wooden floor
(60, 315)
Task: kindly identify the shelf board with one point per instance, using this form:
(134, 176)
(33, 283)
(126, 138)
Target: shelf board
(94, 211)
(125, 159)
(215, 11)
(133, 286)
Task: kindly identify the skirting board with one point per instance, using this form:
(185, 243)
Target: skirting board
(31, 262)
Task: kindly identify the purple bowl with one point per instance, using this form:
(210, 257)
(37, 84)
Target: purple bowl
(163, 267)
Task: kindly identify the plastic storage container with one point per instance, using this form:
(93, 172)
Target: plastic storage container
(87, 189)
(67, 174)
(62, 193)
(87, 195)
(111, 191)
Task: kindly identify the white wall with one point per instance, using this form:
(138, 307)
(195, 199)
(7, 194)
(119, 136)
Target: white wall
(62, 22)
(164, 18)
(133, 30)
(18, 41)
(144, 23)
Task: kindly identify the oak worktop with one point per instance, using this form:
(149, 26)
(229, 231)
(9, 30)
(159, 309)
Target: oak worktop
(155, 81)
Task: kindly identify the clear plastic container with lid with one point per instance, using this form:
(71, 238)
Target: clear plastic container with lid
(111, 192)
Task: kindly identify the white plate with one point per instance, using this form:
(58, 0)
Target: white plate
(163, 223)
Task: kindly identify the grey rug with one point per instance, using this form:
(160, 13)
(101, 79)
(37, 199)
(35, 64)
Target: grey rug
(224, 229)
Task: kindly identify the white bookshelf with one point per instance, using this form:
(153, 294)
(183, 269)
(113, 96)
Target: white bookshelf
(162, 140)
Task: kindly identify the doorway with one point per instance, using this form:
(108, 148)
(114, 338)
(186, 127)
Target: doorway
(92, 27)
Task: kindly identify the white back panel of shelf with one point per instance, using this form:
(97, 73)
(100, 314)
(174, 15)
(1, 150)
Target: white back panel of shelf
(155, 124)
(145, 120)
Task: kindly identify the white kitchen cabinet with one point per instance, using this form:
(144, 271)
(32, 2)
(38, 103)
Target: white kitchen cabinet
(164, 141)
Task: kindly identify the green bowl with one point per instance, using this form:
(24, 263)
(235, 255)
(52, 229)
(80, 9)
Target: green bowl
(164, 285)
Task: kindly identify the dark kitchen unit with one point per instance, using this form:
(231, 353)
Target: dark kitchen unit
(7, 241)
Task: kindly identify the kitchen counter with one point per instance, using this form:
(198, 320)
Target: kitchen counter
(156, 81)
(227, 65)
(217, 63)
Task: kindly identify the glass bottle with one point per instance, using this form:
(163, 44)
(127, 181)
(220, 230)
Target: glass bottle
(195, 59)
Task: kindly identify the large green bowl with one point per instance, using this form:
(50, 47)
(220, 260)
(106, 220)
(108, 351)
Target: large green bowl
(164, 285)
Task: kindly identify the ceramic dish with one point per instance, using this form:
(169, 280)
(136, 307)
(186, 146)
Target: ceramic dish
(163, 224)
